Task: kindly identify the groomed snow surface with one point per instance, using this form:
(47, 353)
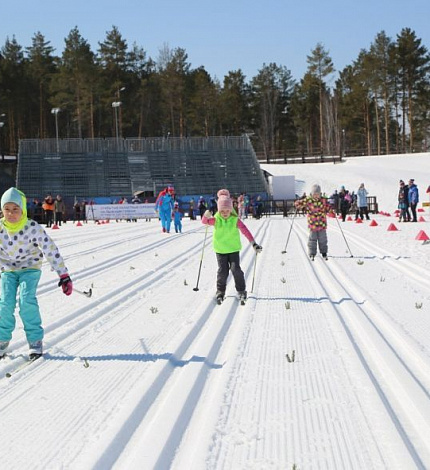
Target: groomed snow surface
(327, 366)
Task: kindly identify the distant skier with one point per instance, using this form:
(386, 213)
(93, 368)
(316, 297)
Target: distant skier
(23, 246)
(227, 245)
(317, 207)
(177, 218)
(164, 206)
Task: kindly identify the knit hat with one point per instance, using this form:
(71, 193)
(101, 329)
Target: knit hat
(14, 195)
(224, 200)
(316, 189)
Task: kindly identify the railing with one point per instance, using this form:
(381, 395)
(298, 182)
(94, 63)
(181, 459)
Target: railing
(295, 156)
(132, 145)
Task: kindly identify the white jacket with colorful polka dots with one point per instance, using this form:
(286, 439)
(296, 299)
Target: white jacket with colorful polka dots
(25, 249)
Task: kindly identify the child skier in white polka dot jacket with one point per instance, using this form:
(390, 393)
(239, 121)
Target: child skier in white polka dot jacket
(23, 243)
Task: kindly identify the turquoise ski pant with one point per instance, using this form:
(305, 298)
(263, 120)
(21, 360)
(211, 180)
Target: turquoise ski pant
(166, 218)
(27, 282)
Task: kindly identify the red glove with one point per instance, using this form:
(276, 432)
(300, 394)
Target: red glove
(66, 284)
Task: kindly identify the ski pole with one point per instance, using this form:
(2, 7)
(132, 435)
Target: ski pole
(86, 293)
(289, 233)
(253, 276)
(341, 231)
(201, 260)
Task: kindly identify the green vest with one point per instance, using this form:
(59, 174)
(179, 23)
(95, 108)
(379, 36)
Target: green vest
(226, 237)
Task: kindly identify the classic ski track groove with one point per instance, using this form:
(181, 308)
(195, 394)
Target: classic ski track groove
(162, 429)
(400, 385)
(90, 271)
(399, 264)
(75, 334)
(198, 364)
(78, 319)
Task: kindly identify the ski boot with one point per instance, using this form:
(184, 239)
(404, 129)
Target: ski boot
(312, 257)
(3, 348)
(242, 297)
(36, 350)
(219, 298)
(324, 255)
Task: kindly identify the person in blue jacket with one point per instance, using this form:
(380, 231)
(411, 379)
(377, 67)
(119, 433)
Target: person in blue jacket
(164, 207)
(362, 208)
(177, 217)
(413, 198)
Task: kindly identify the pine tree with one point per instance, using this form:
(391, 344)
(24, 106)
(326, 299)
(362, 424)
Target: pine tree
(320, 65)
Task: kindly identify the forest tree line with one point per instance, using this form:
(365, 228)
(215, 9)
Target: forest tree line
(379, 104)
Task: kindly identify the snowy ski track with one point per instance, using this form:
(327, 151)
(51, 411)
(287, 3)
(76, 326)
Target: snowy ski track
(325, 367)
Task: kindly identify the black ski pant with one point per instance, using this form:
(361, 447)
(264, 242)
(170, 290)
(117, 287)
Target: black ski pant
(58, 218)
(413, 206)
(49, 218)
(229, 262)
(364, 212)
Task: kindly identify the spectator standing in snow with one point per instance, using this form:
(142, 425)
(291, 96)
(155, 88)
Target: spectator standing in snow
(316, 206)
(135, 200)
(48, 210)
(362, 202)
(60, 209)
(406, 191)
(202, 206)
(164, 206)
(38, 211)
(213, 205)
(24, 243)
(345, 201)
(403, 202)
(258, 207)
(413, 198)
(76, 212)
(334, 201)
(191, 210)
(227, 245)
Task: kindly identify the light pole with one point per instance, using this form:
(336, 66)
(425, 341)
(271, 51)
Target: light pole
(118, 98)
(1, 139)
(115, 106)
(55, 111)
(343, 153)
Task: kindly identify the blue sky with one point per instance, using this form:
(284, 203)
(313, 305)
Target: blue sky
(223, 35)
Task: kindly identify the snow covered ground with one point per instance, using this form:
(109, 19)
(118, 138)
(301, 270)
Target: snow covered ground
(327, 366)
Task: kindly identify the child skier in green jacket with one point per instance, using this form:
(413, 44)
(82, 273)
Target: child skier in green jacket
(227, 245)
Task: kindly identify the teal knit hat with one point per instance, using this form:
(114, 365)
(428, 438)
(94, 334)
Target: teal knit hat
(13, 195)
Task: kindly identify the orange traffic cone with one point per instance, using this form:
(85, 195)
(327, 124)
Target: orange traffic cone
(349, 218)
(373, 223)
(392, 228)
(359, 221)
(79, 224)
(55, 227)
(421, 219)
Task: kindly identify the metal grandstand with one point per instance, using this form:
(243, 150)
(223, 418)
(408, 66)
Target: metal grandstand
(93, 168)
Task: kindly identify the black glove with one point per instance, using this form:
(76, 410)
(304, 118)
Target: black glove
(257, 247)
